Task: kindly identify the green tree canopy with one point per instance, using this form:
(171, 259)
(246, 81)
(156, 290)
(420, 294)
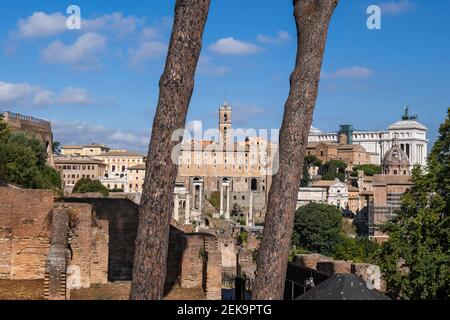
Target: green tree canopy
(369, 170)
(333, 169)
(23, 161)
(312, 161)
(317, 228)
(23, 139)
(90, 186)
(359, 250)
(308, 163)
(416, 258)
(4, 130)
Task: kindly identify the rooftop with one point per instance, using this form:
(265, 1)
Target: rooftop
(76, 159)
(138, 167)
(120, 154)
(343, 287)
(95, 145)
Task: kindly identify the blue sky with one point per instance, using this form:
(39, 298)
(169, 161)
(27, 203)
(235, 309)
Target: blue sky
(100, 83)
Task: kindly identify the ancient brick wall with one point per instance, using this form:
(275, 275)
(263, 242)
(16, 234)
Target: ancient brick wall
(370, 273)
(122, 217)
(55, 285)
(81, 242)
(5, 236)
(174, 255)
(24, 232)
(213, 283)
(192, 260)
(99, 252)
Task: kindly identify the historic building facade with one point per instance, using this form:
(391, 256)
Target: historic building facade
(239, 171)
(93, 149)
(384, 197)
(410, 134)
(74, 168)
(117, 164)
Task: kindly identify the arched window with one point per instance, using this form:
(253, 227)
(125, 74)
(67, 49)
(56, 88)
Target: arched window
(225, 117)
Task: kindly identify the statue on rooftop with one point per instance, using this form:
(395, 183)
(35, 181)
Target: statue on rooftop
(407, 117)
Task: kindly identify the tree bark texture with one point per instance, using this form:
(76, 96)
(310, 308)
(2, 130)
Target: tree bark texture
(176, 88)
(312, 19)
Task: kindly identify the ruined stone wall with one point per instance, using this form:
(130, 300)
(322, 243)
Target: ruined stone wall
(192, 261)
(174, 255)
(99, 252)
(228, 250)
(89, 248)
(122, 217)
(24, 232)
(201, 264)
(213, 271)
(370, 273)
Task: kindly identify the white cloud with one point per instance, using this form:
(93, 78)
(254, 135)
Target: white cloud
(25, 94)
(397, 7)
(41, 24)
(282, 36)
(79, 132)
(150, 33)
(69, 96)
(207, 66)
(231, 46)
(244, 112)
(16, 93)
(146, 51)
(83, 54)
(115, 22)
(350, 73)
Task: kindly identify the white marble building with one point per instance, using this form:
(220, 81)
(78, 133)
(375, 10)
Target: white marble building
(411, 136)
(311, 195)
(338, 194)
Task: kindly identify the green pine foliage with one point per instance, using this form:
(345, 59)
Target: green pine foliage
(416, 258)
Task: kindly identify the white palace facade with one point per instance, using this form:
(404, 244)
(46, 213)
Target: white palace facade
(409, 134)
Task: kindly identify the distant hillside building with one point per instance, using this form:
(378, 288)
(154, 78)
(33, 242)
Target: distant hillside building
(38, 128)
(410, 134)
(117, 165)
(385, 200)
(75, 168)
(383, 197)
(114, 168)
(240, 171)
(93, 149)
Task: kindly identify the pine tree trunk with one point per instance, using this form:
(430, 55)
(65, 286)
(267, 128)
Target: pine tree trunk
(176, 87)
(312, 19)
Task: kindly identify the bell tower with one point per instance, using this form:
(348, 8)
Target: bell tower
(225, 123)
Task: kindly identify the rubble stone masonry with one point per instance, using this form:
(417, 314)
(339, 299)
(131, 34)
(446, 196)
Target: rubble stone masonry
(24, 232)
